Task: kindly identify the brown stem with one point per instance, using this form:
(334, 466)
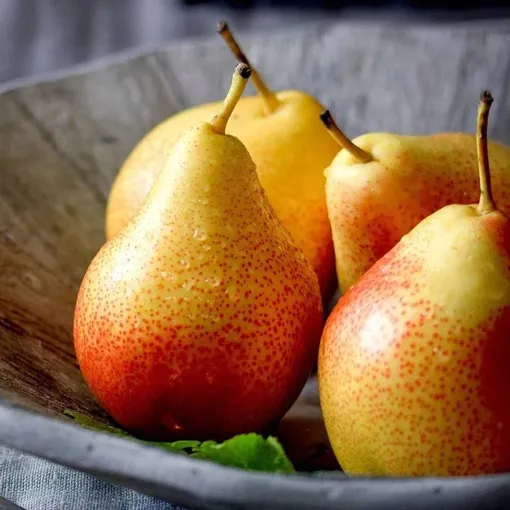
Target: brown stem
(271, 102)
(239, 81)
(486, 204)
(342, 139)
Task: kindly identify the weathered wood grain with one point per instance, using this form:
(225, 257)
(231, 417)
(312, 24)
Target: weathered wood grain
(45, 207)
(93, 120)
(37, 362)
(62, 141)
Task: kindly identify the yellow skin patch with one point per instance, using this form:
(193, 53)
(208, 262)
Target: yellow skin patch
(291, 149)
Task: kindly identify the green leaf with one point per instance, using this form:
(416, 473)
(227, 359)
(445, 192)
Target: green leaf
(89, 423)
(176, 446)
(245, 451)
(181, 445)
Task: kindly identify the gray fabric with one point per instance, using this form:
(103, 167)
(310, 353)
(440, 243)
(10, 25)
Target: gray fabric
(36, 484)
(46, 35)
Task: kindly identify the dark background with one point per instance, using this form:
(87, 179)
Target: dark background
(40, 36)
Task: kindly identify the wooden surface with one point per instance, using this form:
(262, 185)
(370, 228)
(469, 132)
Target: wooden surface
(62, 141)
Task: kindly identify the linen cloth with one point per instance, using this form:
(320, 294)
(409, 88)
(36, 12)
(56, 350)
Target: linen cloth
(36, 484)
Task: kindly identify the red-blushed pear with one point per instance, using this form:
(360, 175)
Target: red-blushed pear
(381, 185)
(287, 142)
(201, 318)
(413, 363)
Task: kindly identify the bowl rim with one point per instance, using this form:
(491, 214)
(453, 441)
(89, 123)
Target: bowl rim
(182, 479)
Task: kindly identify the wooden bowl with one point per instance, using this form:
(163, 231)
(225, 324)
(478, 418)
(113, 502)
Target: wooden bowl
(61, 143)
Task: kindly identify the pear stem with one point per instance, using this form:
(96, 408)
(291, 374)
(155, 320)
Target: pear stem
(271, 102)
(343, 140)
(486, 204)
(239, 81)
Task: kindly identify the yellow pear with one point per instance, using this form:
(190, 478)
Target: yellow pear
(413, 364)
(201, 318)
(381, 185)
(289, 146)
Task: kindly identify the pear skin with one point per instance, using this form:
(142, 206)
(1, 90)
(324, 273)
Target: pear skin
(413, 363)
(372, 204)
(201, 318)
(290, 148)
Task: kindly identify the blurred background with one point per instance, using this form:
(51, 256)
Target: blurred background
(41, 36)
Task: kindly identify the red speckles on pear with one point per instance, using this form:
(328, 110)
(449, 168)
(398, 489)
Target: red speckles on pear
(202, 318)
(372, 208)
(414, 374)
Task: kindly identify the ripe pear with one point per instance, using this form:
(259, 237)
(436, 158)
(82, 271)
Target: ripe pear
(381, 185)
(200, 318)
(289, 146)
(413, 363)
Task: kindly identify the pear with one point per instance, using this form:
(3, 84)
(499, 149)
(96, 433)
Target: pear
(413, 363)
(200, 318)
(381, 185)
(289, 146)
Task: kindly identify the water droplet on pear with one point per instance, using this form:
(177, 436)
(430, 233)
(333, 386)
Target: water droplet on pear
(233, 292)
(188, 284)
(200, 234)
(213, 281)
